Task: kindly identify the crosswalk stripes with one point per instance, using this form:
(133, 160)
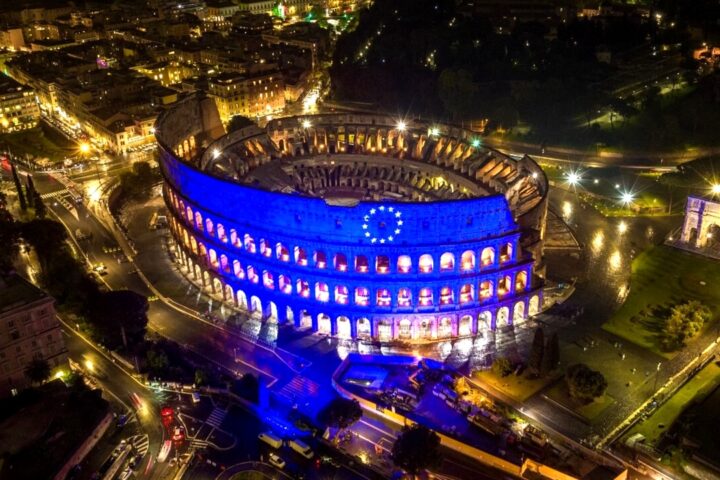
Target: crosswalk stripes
(216, 417)
(57, 193)
(194, 442)
(141, 444)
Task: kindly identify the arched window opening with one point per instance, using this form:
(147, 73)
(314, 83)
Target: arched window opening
(202, 251)
(250, 243)
(534, 305)
(285, 284)
(467, 261)
(521, 282)
(268, 280)
(425, 298)
(265, 249)
(363, 328)
(404, 298)
(190, 215)
(486, 290)
(212, 257)
(465, 326)
(467, 294)
(506, 252)
(446, 296)
(404, 329)
(300, 257)
(303, 288)
(224, 264)
(504, 286)
(361, 264)
(341, 294)
(425, 264)
(404, 264)
(362, 296)
(198, 221)
(383, 298)
(234, 239)
(487, 257)
(447, 262)
(209, 228)
(382, 264)
(282, 253)
(221, 233)
(518, 312)
(252, 274)
(320, 259)
(237, 269)
(340, 262)
(444, 327)
(322, 294)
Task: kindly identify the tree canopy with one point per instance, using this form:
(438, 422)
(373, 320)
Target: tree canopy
(340, 413)
(118, 317)
(416, 449)
(37, 370)
(585, 384)
(685, 321)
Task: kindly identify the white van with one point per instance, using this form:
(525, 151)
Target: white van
(302, 448)
(270, 439)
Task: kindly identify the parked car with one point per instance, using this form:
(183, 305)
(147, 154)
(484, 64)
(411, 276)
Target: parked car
(276, 461)
(270, 439)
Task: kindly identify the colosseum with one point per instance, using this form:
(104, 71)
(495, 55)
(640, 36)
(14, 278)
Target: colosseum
(357, 226)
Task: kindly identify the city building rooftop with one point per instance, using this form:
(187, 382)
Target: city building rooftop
(15, 292)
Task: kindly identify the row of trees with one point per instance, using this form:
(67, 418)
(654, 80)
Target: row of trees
(28, 196)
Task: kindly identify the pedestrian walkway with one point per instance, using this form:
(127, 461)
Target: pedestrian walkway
(216, 417)
(140, 443)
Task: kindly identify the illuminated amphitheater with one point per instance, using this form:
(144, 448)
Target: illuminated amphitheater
(354, 225)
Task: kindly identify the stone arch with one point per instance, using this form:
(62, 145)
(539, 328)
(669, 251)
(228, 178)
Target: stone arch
(241, 299)
(485, 321)
(305, 320)
(255, 304)
(447, 262)
(444, 328)
(271, 310)
(404, 329)
(217, 286)
(425, 328)
(425, 263)
(503, 314)
(363, 328)
(518, 312)
(384, 330)
(465, 326)
(206, 279)
(533, 306)
(343, 327)
(289, 314)
(467, 261)
(324, 324)
(198, 221)
(228, 295)
(521, 281)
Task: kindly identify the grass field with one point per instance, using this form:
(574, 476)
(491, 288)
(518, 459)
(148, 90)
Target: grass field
(37, 143)
(701, 384)
(559, 393)
(661, 278)
(519, 388)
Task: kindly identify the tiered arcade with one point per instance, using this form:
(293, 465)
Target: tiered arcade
(353, 225)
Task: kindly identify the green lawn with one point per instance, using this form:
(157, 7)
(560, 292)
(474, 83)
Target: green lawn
(559, 393)
(701, 384)
(661, 278)
(519, 388)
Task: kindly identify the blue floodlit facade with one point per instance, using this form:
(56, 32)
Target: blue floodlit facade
(354, 225)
